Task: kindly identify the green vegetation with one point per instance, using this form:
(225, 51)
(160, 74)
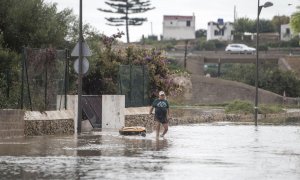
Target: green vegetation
(270, 109)
(271, 78)
(240, 107)
(246, 107)
(295, 21)
(103, 77)
(211, 45)
(33, 23)
(167, 45)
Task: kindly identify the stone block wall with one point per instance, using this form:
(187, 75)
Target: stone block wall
(11, 123)
(49, 123)
(194, 116)
(49, 127)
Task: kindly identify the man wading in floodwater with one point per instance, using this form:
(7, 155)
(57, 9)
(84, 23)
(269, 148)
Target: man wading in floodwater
(161, 106)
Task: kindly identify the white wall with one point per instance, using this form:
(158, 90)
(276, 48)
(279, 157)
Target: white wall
(283, 30)
(211, 28)
(178, 29)
(113, 107)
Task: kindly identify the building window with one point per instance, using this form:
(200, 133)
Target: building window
(188, 23)
(222, 32)
(288, 31)
(171, 22)
(216, 33)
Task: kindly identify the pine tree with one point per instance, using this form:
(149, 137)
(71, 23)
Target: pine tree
(126, 7)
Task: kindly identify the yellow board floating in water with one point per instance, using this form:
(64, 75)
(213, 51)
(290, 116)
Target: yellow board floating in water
(134, 130)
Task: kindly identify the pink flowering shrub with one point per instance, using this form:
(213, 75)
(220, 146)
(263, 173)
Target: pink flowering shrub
(109, 56)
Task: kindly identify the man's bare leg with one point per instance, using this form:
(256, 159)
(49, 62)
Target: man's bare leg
(157, 129)
(166, 127)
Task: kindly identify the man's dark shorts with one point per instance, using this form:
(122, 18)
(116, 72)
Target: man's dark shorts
(161, 120)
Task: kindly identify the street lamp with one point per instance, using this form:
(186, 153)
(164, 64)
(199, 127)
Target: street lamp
(259, 8)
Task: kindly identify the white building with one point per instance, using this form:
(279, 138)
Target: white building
(179, 27)
(285, 32)
(220, 30)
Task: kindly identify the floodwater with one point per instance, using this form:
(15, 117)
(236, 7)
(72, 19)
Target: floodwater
(205, 151)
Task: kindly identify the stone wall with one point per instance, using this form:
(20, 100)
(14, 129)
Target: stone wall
(148, 120)
(49, 123)
(194, 116)
(11, 123)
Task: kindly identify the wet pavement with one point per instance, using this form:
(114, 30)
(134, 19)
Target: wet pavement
(206, 151)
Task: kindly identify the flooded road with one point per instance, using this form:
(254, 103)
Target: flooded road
(206, 151)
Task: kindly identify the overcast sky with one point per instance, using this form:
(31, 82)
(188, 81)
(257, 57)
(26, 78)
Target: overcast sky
(204, 11)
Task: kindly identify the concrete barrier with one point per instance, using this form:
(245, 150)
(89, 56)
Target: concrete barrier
(11, 123)
(112, 110)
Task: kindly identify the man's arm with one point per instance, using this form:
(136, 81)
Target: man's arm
(151, 109)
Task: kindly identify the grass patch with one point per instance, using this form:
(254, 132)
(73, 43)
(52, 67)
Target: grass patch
(239, 107)
(270, 109)
(246, 107)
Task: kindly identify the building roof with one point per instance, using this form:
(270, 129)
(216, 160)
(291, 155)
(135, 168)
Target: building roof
(184, 18)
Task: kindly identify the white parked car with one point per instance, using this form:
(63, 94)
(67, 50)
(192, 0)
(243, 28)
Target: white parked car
(239, 48)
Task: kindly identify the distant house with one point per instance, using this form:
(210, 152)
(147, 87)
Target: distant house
(179, 27)
(285, 32)
(220, 30)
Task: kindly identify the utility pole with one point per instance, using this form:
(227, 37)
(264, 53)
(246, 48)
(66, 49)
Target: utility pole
(79, 115)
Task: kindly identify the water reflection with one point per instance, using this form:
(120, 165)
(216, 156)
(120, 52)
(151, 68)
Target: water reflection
(219, 151)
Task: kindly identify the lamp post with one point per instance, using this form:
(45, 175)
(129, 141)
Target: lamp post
(259, 8)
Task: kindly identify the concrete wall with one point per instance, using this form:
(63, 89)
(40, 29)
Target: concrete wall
(49, 123)
(11, 123)
(113, 111)
(214, 91)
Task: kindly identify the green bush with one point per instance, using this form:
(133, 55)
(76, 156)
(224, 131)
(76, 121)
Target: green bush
(240, 107)
(211, 45)
(270, 109)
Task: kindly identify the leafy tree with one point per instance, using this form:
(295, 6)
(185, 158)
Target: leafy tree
(243, 25)
(277, 21)
(265, 26)
(125, 8)
(33, 23)
(201, 33)
(295, 21)
(9, 79)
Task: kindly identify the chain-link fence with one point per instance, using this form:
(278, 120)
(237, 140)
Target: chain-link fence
(44, 78)
(134, 84)
(9, 79)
